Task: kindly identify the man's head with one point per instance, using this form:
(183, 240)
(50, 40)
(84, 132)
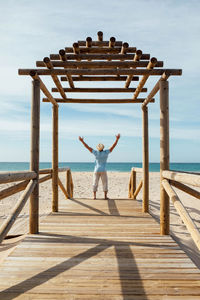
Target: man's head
(100, 147)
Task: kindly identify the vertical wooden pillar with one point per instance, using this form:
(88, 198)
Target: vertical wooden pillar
(55, 160)
(34, 156)
(145, 154)
(164, 154)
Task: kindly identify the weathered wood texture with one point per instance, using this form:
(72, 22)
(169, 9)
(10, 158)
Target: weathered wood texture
(164, 154)
(73, 100)
(145, 159)
(193, 179)
(99, 250)
(191, 226)
(55, 159)
(6, 226)
(6, 177)
(34, 156)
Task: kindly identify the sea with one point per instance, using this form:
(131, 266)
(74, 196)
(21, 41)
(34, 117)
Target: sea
(111, 166)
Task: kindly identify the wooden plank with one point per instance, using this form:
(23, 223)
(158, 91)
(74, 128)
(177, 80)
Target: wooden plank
(146, 72)
(74, 100)
(98, 90)
(100, 78)
(99, 56)
(97, 65)
(77, 256)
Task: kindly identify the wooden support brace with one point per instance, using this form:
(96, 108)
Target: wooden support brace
(44, 89)
(50, 66)
(68, 76)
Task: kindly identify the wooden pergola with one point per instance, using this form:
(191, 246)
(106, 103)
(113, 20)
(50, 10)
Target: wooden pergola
(100, 61)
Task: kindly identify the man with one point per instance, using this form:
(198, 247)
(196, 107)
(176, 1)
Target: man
(100, 165)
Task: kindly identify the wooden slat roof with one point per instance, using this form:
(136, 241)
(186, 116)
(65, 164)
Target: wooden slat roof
(99, 60)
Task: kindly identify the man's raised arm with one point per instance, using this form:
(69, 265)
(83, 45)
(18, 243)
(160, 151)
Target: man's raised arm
(84, 144)
(115, 143)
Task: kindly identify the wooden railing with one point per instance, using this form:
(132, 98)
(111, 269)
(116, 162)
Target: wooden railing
(28, 182)
(133, 190)
(178, 180)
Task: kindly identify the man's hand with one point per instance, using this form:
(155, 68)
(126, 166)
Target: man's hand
(80, 138)
(118, 136)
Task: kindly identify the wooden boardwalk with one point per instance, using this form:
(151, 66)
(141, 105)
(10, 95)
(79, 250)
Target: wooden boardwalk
(99, 249)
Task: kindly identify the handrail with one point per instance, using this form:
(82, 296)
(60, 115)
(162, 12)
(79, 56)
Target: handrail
(6, 177)
(188, 178)
(28, 185)
(16, 210)
(133, 190)
(192, 228)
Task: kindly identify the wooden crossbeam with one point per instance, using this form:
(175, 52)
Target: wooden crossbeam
(147, 72)
(101, 64)
(151, 65)
(63, 59)
(50, 66)
(99, 49)
(154, 90)
(99, 43)
(98, 90)
(136, 59)
(43, 87)
(103, 101)
(98, 56)
(100, 78)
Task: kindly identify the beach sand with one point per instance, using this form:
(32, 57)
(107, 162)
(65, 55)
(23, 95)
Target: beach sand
(118, 188)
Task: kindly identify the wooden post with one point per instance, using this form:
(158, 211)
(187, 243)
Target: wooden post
(34, 156)
(68, 187)
(55, 160)
(145, 145)
(164, 155)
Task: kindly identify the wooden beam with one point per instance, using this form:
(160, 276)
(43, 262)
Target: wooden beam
(99, 43)
(45, 171)
(13, 189)
(100, 78)
(100, 36)
(63, 59)
(98, 90)
(112, 42)
(43, 87)
(113, 50)
(45, 178)
(138, 189)
(6, 177)
(34, 156)
(191, 226)
(124, 48)
(154, 90)
(50, 66)
(185, 189)
(164, 155)
(137, 57)
(63, 188)
(92, 56)
(75, 49)
(98, 65)
(187, 178)
(7, 224)
(55, 160)
(145, 160)
(88, 43)
(142, 82)
(73, 100)
(146, 72)
(132, 184)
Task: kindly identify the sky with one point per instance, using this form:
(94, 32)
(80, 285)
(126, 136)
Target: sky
(168, 30)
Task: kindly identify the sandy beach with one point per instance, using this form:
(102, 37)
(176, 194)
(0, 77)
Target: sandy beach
(118, 188)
